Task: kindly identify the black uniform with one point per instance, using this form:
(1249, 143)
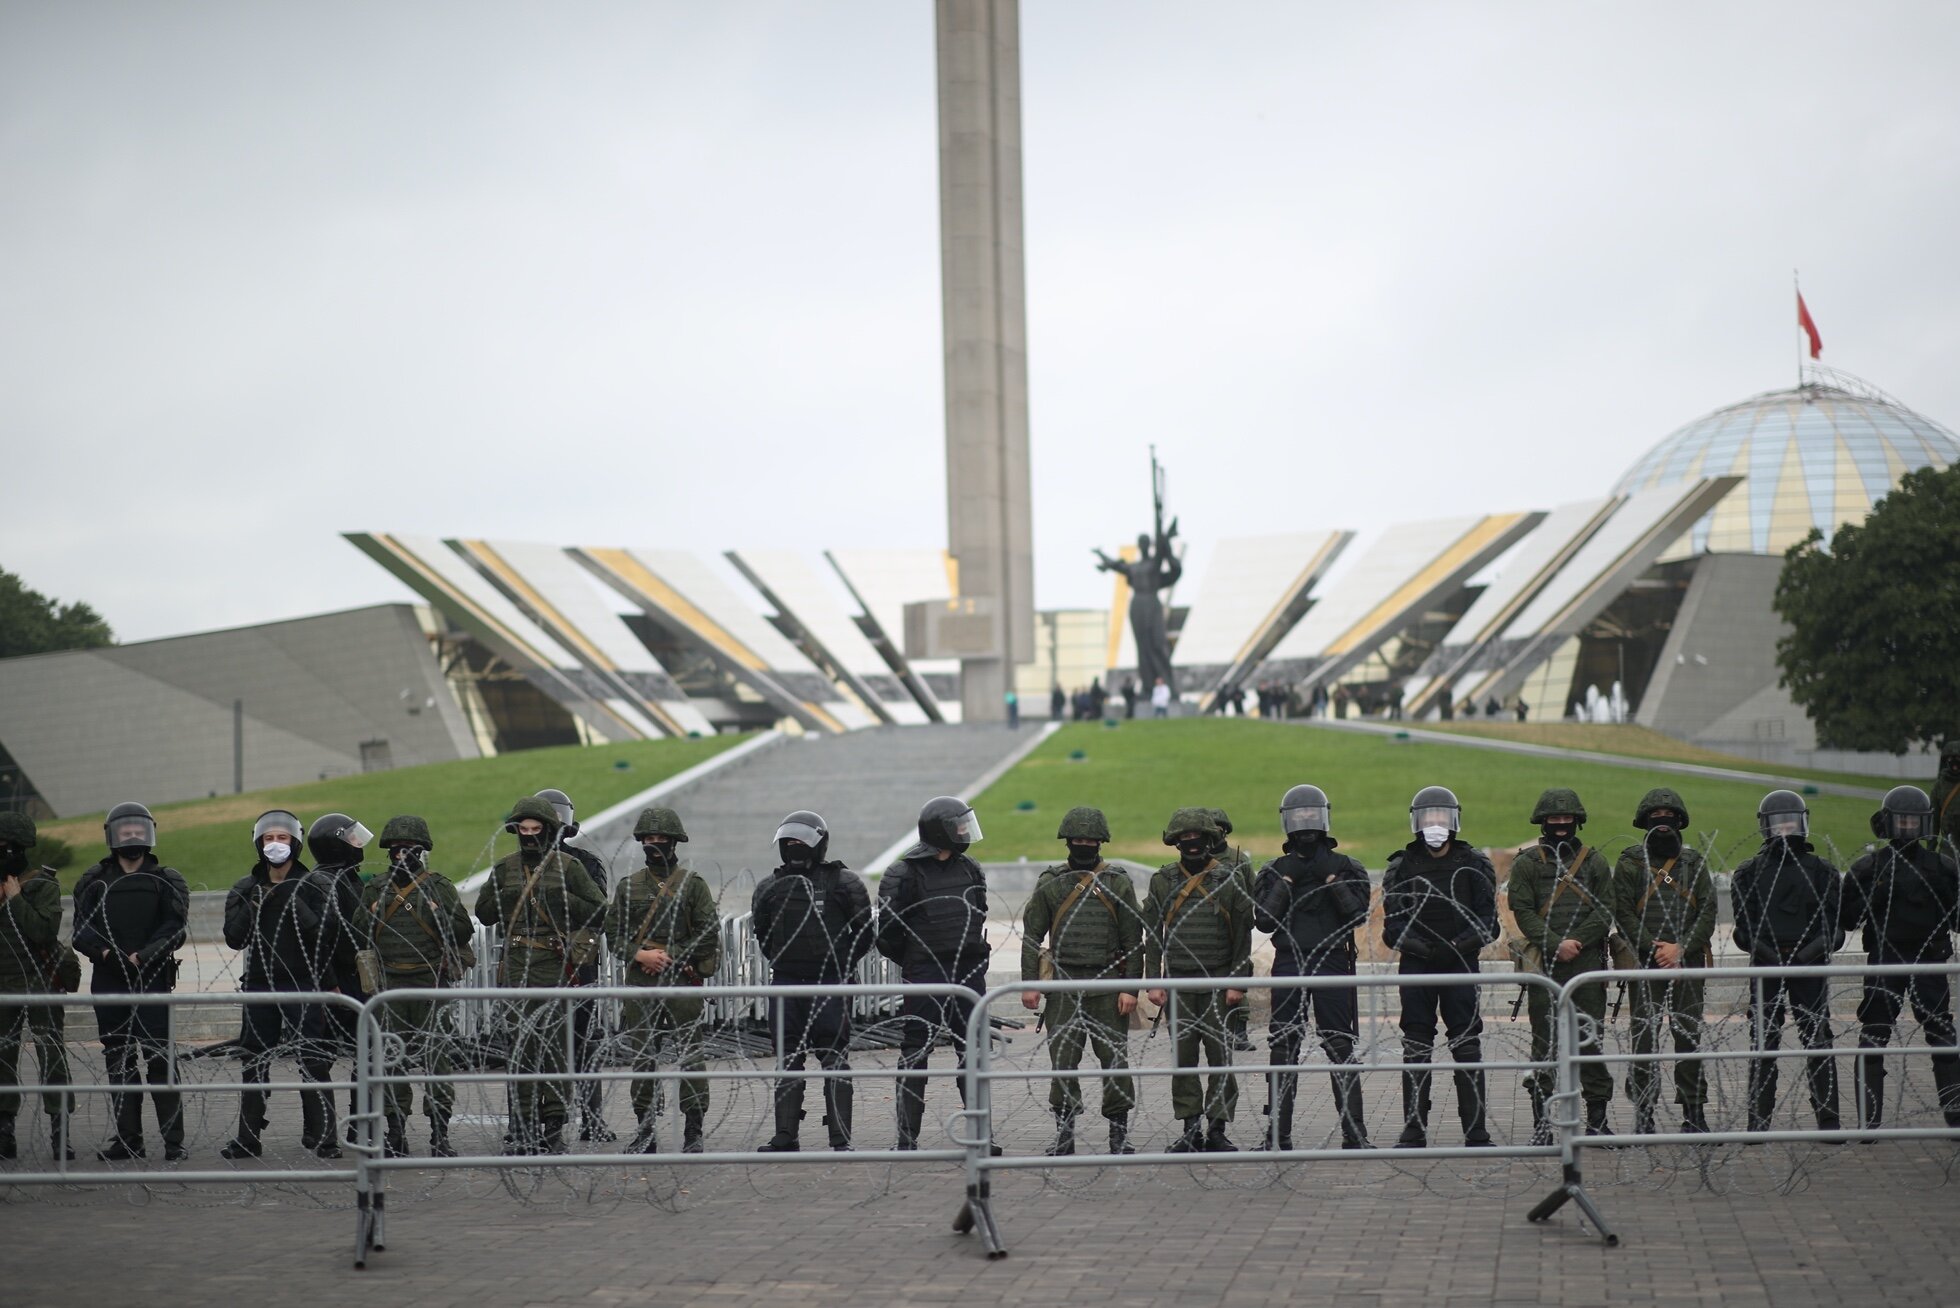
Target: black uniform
(143, 913)
(282, 928)
(1787, 907)
(586, 1027)
(1906, 897)
(932, 922)
(1311, 900)
(339, 886)
(1440, 910)
(813, 924)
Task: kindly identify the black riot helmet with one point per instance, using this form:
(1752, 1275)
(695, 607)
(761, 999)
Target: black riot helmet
(280, 822)
(337, 840)
(561, 803)
(949, 823)
(1906, 813)
(130, 828)
(1435, 806)
(807, 827)
(1783, 815)
(1305, 808)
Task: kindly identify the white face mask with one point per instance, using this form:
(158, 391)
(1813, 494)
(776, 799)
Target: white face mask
(277, 852)
(1436, 837)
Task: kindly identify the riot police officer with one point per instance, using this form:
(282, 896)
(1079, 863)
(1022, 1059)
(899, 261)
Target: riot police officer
(1788, 905)
(586, 1025)
(414, 921)
(1239, 1015)
(812, 918)
(1905, 896)
(1311, 900)
(277, 916)
(1664, 905)
(131, 915)
(1199, 919)
(1083, 922)
(1561, 894)
(932, 922)
(1439, 908)
(31, 958)
(338, 843)
(662, 927)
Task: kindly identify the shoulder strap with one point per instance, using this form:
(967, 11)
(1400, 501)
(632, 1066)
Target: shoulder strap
(661, 894)
(401, 900)
(1086, 884)
(1653, 884)
(1561, 878)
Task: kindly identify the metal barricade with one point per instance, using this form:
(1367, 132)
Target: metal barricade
(129, 1174)
(976, 1212)
(383, 1070)
(1564, 1108)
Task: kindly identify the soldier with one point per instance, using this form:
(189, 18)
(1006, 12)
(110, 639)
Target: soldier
(550, 913)
(277, 915)
(1788, 903)
(1083, 923)
(813, 921)
(131, 913)
(1311, 900)
(932, 922)
(1561, 894)
(1238, 1015)
(31, 958)
(338, 843)
(1946, 812)
(1906, 897)
(416, 924)
(586, 1026)
(1664, 904)
(662, 927)
(1439, 908)
(1199, 921)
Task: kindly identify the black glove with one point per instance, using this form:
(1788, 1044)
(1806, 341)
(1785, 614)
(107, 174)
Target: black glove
(1763, 954)
(1814, 949)
(1413, 946)
(1469, 944)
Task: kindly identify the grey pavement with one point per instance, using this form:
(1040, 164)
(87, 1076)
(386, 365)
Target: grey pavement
(1581, 755)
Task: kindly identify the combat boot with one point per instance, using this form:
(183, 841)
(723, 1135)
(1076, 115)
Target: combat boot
(1064, 1143)
(1470, 1100)
(1415, 1111)
(1643, 1119)
(1192, 1141)
(58, 1139)
(1541, 1128)
(1596, 1119)
(911, 1115)
(645, 1140)
(439, 1146)
(1119, 1136)
(1216, 1141)
(553, 1140)
(1354, 1121)
(1694, 1119)
(789, 1119)
(395, 1145)
(837, 1095)
(1946, 1083)
(691, 1142)
(9, 1147)
(328, 1143)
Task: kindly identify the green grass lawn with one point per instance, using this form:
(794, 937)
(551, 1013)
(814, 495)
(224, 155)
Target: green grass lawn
(210, 840)
(1641, 742)
(1139, 772)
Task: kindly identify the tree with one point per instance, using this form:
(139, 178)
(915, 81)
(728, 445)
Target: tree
(1873, 653)
(31, 623)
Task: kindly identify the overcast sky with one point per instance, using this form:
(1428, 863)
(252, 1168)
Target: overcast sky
(668, 274)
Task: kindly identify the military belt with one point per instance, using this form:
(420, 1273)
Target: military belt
(550, 943)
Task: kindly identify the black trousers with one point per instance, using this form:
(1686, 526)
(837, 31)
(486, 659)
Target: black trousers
(922, 1018)
(1885, 997)
(1807, 999)
(136, 1045)
(298, 1031)
(806, 1025)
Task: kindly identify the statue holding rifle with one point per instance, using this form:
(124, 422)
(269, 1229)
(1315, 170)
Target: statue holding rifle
(1155, 569)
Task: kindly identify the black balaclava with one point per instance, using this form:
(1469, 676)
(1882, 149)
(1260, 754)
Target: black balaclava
(1663, 837)
(1305, 844)
(796, 854)
(13, 860)
(405, 862)
(1561, 836)
(1194, 851)
(660, 854)
(532, 848)
(1084, 858)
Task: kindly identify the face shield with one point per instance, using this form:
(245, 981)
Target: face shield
(1313, 817)
(356, 836)
(287, 825)
(965, 828)
(803, 831)
(1786, 825)
(1905, 826)
(130, 831)
(1433, 815)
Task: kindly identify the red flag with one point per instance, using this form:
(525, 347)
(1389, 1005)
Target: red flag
(1809, 325)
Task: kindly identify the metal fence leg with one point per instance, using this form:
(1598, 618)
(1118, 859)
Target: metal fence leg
(1571, 1183)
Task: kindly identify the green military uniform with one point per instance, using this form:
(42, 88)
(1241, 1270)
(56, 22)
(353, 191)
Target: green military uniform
(417, 926)
(1945, 794)
(1237, 1016)
(30, 950)
(1092, 928)
(1199, 924)
(670, 909)
(1554, 900)
(1673, 900)
(545, 902)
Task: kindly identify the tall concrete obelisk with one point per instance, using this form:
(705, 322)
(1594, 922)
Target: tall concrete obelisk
(989, 511)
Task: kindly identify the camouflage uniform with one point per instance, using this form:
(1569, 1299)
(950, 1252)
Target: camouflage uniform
(1670, 900)
(30, 948)
(1237, 1016)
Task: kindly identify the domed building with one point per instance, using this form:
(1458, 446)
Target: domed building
(1818, 455)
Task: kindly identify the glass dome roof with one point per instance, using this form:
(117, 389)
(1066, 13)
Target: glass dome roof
(1817, 455)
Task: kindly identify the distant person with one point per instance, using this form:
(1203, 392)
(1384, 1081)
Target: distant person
(1523, 709)
(1013, 702)
(1130, 696)
(31, 958)
(1319, 705)
(1097, 697)
(1160, 699)
(1492, 708)
(1057, 704)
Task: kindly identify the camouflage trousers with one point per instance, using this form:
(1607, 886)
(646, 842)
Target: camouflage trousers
(1076, 1022)
(43, 1025)
(428, 1046)
(651, 1026)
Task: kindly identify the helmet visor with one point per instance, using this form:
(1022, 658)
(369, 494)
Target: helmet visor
(965, 828)
(1905, 826)
(1433, 815)
(356, 836)
(128, 831)
(1787, 823)
(281, 821)
(803, 831)
(1312, 817)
